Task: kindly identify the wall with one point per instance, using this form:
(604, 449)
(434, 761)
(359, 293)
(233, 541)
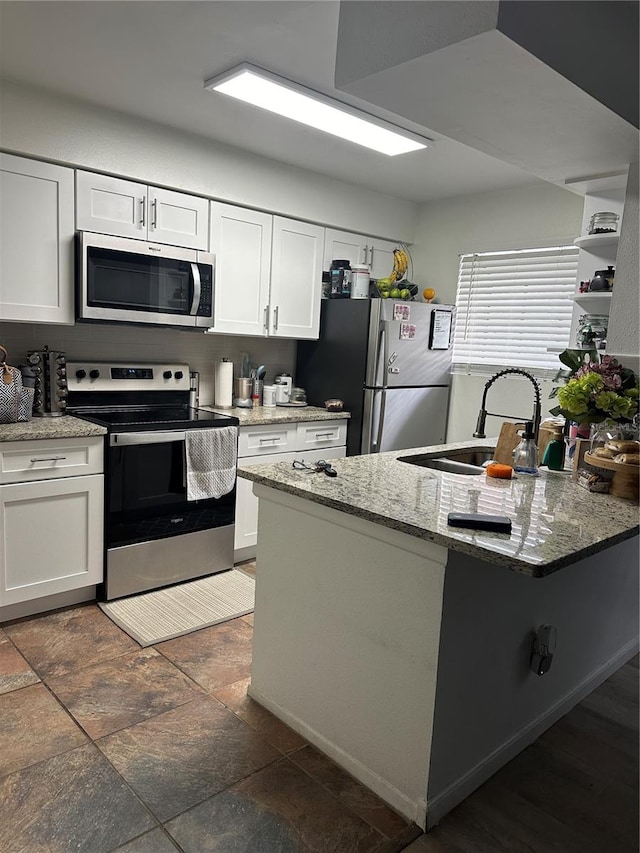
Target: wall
(38, 124)
(489, 705)
(521, 217)
(111, 342)
(624, 321)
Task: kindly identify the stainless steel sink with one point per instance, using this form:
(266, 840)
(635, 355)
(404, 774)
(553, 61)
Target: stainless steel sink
(453, 461)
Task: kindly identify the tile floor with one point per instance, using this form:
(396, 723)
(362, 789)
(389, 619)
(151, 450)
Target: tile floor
(105, 746)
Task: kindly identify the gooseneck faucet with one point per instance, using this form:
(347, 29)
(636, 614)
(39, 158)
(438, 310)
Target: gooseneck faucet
(482, 416)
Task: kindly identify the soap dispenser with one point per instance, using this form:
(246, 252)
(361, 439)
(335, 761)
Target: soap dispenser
(525, 456)
(554, 452)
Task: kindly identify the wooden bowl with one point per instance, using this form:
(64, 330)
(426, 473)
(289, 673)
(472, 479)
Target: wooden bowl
(626, 478)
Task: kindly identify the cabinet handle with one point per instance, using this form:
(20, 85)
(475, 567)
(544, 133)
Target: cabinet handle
(270, 440)
(275, 317)
(143, 215)
(371, 256)
(154, 217)
(324, 435)
(365, 254)
(48, 458)
(266, 317)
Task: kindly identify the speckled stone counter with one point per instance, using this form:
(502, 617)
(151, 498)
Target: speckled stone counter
(555, 522)
(278, 414)
(65, 426)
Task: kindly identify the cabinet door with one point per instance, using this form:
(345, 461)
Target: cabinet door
(36, 240)
(66, 553)
(241, 243)
(296, 279)
(381, 257)
(246, 533)
(178, 219)
(345, 246)
(111, 205)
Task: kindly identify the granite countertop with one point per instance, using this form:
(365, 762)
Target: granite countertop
(555, 521)
(278, 414)
(65, 426)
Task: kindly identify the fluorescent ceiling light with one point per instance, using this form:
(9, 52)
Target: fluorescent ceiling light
(273, 93)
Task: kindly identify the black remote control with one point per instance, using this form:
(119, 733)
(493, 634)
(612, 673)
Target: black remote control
(477, 521)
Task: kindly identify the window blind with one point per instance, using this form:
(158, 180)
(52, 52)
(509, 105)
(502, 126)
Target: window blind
(513, 307)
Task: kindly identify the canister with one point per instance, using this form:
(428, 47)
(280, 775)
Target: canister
(360, 282)
(269, 396)
(340, 275)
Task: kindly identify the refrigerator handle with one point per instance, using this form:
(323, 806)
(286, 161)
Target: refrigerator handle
(375, 444)
(381, 352)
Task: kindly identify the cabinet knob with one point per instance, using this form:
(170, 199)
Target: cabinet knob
(179, 374)
(80, 374)
(94, 374)
(167, 374)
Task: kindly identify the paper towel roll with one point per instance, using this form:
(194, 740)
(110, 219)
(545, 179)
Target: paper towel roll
(224, 384)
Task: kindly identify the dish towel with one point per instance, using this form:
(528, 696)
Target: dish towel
(211, 456)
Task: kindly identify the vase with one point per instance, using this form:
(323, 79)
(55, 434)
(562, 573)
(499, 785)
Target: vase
(576, 431)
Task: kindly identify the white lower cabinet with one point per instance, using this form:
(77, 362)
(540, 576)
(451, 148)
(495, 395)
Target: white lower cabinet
(309, 441)
(51, 528)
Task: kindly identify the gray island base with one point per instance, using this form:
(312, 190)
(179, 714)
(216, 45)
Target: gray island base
(404, 656)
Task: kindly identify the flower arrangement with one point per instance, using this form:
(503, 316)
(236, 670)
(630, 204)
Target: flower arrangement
(596, 389)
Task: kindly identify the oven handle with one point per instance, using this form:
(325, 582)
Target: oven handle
(117, 439)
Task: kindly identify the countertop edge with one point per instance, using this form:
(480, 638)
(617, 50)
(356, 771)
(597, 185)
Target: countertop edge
(45, 429)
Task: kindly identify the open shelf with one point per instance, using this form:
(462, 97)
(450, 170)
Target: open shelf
(597, 241)
(594, 303)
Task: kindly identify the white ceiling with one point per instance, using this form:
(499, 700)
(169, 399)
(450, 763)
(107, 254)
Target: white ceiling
(150, 59)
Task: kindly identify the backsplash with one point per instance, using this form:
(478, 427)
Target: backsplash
(110, 342)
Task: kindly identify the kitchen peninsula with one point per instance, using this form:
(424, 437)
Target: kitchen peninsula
(401, 647)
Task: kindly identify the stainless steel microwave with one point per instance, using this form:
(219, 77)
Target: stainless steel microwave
(132, 281)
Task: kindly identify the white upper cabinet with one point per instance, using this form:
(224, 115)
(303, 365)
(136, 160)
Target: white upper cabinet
(358, 249)
(268, 277)
(341, 245)
(380, 257)
(109, 205)
(36, 240)
(296, 279)
(241, 243)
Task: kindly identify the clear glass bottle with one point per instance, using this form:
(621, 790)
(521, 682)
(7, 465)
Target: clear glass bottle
(525, 456)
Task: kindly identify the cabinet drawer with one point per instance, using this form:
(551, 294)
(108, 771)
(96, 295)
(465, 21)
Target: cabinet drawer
(267, 438)
(319, 434)
(24, 461)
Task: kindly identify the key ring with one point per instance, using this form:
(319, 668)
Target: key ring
(320, 465)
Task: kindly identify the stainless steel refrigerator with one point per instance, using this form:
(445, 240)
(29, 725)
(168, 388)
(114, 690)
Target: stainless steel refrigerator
(390, 362)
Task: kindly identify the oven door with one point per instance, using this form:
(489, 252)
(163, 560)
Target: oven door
(133, 281)
(147, 491)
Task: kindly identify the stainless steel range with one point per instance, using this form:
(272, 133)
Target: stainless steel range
(154, 536)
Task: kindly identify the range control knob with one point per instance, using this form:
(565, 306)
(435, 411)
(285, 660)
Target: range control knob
(179, 374)
(80, 374)
(167, 374)
(93, 374)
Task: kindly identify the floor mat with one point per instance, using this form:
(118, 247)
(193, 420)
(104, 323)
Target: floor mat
(167, 613)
